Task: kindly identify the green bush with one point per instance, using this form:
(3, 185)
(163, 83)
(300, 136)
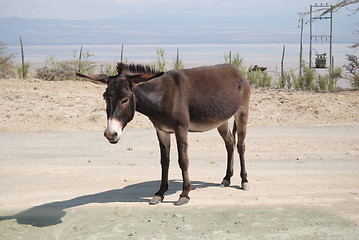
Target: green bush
(23, 71)
(296, 80)
(307, 81)
(285, 80)
(311, 80)
(161, 60)
(256, 77)
(259, 78)
(177, 63)
(236, 60)
(334, 75)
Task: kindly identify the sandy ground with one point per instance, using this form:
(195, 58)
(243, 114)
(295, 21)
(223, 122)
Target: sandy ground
(60, 179)
(35, 105)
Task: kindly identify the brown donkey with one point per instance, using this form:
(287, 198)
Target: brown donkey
(179, 101)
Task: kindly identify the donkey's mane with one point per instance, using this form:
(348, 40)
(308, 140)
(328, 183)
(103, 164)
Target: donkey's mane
(135, 69)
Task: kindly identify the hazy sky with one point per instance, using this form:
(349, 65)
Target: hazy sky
(95, 9)
(261, 17)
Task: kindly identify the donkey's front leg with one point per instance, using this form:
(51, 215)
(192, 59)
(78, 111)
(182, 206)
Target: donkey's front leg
(165, 144)
(182, 146)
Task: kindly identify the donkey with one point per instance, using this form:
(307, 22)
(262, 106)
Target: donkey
(179, 101)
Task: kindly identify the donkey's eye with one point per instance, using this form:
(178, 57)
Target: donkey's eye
(125, 100)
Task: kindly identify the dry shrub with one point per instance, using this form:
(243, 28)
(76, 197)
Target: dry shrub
(7, 69)
(65, 70)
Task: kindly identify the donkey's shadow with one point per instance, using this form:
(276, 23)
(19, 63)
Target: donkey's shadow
(51, 213)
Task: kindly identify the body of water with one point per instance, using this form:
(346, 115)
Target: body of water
(192, 55)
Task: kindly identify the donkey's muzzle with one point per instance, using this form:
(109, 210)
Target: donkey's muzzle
(113, 131)
(112, 137)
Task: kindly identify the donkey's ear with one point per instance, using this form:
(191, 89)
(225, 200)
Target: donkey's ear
(137, 79)
(98, 78)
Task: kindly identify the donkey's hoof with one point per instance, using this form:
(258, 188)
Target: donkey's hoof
(225, 183)
(156, 200)
(245, 186)
(182, 201)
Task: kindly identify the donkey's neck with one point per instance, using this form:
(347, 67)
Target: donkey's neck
(148, 99)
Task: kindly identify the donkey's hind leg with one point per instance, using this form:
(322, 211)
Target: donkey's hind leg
(241, 118)
(229, 142)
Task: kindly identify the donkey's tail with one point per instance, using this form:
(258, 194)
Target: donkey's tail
(234, 131)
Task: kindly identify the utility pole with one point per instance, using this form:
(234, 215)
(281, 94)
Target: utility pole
(22, 59)
(311, 36)
(301, 48)
(325, 37)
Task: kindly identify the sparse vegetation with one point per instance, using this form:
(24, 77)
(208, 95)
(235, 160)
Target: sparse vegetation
(259, 78)
(7, 69)
(306, 81)
(108, 69)
(55, 70)
(285, 80)
(353, 68)
(236, 60)
(23, 71)
(83, 62)
(311, 80)
(161, 60)
(256, 77)
(177, 63)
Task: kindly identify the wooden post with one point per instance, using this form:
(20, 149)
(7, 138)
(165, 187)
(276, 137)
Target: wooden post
(22, 59)
(122, 53)
(282, 67)
(177, 57)
(80, 56)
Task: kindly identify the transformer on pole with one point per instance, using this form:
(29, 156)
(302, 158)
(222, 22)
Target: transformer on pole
(321, 57)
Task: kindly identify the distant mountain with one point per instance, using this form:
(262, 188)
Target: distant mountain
(140, 29)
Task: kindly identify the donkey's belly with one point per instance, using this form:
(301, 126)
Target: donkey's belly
(204, 126)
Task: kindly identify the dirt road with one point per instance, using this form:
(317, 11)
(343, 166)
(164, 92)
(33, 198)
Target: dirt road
(304, 184)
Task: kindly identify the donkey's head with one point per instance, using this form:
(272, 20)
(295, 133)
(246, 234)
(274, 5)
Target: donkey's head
(119, 96)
